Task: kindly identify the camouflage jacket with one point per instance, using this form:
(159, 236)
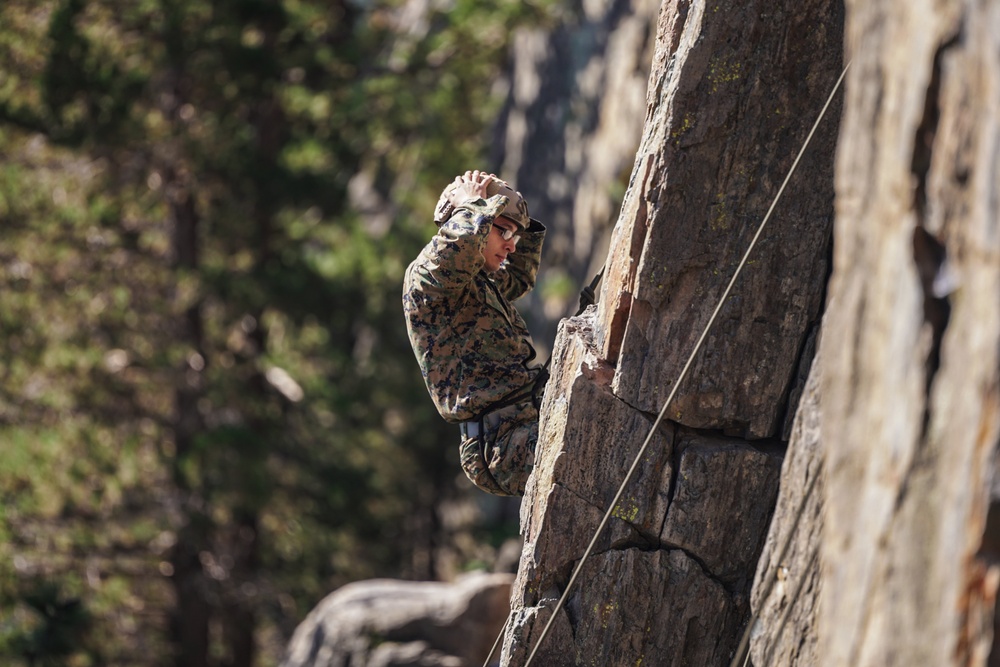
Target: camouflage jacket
(472, 345)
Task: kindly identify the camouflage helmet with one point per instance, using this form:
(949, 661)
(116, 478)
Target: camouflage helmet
(516, 210)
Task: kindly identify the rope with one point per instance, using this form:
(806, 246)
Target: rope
(744, 640)
(769, 585)
(677, 384)
(496, 643)
(588, 296)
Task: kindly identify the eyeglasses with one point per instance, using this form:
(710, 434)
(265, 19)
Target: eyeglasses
(507, 234)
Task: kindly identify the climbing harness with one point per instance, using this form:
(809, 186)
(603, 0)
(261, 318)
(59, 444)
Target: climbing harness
(536, 385)
(680, 378)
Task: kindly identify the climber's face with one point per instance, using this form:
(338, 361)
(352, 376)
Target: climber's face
(497, 247)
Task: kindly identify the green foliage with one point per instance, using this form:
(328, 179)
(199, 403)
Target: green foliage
(205, 357)
(55, 631)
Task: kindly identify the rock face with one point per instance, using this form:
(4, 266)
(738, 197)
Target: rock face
(569, 131)
(669, 573)
(733, 91)
(896, 558)
(910, 393)
(787, 587)
(391, 623)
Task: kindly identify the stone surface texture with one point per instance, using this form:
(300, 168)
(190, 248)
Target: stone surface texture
(733, 91)
(568, 134)
(910, 351)
(786, 589)
(895, 559)
(393, 623)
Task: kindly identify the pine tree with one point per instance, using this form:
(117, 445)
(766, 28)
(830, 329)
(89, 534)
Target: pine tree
(210, 411)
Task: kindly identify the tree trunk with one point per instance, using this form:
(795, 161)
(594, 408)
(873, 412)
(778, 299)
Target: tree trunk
(190, 618)
(733, 92)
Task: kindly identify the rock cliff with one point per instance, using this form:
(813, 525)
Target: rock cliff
(733, 91)
(568, 135)
(895, 560)
(829, 464)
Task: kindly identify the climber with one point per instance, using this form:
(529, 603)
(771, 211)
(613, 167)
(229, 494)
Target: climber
(473, 347)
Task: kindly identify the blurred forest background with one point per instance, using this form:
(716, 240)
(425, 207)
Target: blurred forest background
(210, 415)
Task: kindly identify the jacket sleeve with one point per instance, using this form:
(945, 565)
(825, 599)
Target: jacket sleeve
(454, 256)
(517, 278)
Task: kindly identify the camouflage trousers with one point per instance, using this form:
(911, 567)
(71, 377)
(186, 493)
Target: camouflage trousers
(500, 459)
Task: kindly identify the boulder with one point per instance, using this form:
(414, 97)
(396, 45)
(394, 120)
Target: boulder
(393, 623)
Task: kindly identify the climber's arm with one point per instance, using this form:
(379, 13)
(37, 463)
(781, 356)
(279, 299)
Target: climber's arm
(454, 256)
(517, 277)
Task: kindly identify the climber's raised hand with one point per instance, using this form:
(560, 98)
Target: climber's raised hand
(470, 185)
